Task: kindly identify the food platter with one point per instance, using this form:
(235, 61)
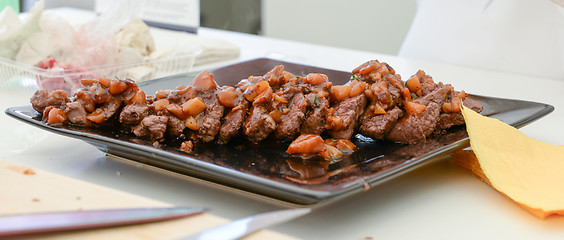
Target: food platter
(265, 169)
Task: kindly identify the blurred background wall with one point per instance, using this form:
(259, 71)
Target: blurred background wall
(369, 25)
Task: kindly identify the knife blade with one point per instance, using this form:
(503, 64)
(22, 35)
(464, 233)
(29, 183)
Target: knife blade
(245, 226)
(72, 220)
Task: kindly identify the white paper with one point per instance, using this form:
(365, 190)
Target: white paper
(515, 36)
(176, 12)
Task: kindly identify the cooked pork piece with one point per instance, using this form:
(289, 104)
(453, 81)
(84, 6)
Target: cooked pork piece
(275, 77)
(258, 124)
(413, 128)
(448, 120)
(76, 113)
(209, 111)
(348, 111)
(385, 96)
(236, 109)
(317, 94)
(418, 126)
(472, 104)
(43, 98)
(109, 109)
(86, 97)
(152, 127)
(314, 123)
(132, 114)
(289, 125)
(372, 71)
(377, 126)
(211, 121)
(297, 100)
(288, 105)
(439, 95)
(232, 122)
(175, 126)
(427, 83)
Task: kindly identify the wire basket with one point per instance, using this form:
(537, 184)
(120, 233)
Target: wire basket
(15, 76)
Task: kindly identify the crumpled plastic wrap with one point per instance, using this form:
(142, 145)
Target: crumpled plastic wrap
(69, 53)
(41, 36)
(14, 31)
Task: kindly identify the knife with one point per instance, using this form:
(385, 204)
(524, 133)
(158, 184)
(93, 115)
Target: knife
(242, 227)
(72, 220)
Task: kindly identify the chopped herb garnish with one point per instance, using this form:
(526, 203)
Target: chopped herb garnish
(316, 100)
(354, 77)
(295, 77)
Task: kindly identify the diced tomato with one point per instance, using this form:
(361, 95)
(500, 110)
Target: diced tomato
(117, 87)
(194, 106)
(306, 144)
(176, 110)
(316, 78)
(97, 116)
(413, 84)
(227, 97)
(161, 104)
(104, 82)
(191, 123)
(414, 108)
(340, 92)
(139, 97)
(56, 116)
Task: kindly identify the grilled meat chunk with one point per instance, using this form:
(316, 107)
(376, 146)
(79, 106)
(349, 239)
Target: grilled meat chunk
(418, 126)
(133, 114)
(211, 120)
(259, 124)
(375, 102)
(289, 125)
(43, 98)
(232, 122)
(76, 113)
(152, 127)
(377, 126)
(347, 111)
(314, 122)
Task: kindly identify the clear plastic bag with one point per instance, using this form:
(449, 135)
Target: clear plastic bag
(72, 53)
(88, 45)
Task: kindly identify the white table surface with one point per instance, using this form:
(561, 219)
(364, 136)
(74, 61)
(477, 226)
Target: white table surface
(436, 201)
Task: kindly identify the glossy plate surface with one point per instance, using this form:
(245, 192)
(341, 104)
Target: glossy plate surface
(266, 169)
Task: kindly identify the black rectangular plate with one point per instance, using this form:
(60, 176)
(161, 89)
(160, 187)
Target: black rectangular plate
(265, 169)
